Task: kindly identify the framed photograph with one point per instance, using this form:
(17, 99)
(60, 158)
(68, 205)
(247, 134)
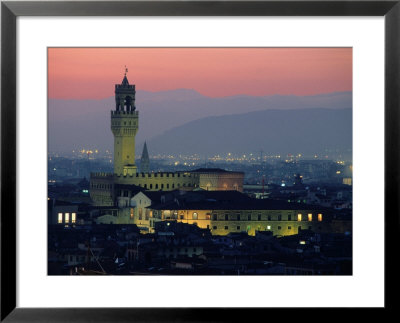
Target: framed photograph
(223, 176)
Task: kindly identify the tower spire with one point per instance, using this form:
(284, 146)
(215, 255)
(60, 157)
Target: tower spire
(145, 160)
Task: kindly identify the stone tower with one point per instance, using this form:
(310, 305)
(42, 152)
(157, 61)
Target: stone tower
(145, 160)
(124, 126)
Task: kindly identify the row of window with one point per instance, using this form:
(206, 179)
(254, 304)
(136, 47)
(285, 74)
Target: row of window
(101, 186)
(122, 111)
(237, 217)
(118, 123)
(157, 186)
(66, 217)
(149, 175)
(128, 132)
(259, 228)
(150, 186)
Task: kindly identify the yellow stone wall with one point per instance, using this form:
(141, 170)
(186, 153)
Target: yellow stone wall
(161, 181)
(222, 222)
(124, 126)
(101, 189)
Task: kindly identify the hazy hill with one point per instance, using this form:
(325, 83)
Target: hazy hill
(86, 123)
(274, 131)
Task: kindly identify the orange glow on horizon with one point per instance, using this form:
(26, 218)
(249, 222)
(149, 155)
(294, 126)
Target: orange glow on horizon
(90, 73)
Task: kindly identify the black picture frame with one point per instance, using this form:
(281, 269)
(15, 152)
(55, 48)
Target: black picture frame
(10, 10)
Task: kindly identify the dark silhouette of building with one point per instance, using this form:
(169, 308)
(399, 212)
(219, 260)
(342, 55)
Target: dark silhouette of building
(145, 160)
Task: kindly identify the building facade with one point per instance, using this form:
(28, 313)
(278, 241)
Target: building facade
(124, 126)
(224, 212)
(215, 179)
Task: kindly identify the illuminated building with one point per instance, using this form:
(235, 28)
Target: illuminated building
(347, 181)
(209, 198)
(223, 212)
(215, 179)
(124, 126)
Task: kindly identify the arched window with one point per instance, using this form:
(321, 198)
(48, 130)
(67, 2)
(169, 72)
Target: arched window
(128, 103)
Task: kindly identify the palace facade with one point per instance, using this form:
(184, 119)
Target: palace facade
(209, 198)
(105, 188)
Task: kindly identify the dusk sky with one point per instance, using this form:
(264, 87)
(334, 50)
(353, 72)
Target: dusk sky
(90, 73)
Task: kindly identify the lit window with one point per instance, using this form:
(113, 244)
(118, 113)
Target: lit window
(132, 213)
(194, 215)
(268, 227)
(59, 217)
(309, 217)
(299, 217)
(66, 217)
(73, 217)
(320, 217)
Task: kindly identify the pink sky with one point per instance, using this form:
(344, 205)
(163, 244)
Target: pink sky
(90, 73)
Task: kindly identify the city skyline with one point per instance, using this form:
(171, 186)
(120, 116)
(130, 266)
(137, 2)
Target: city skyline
(121, 215)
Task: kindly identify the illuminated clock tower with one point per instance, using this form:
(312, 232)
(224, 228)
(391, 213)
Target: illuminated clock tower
(124, 126)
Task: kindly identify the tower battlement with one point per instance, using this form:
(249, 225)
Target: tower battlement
(101, 175)
(158, 175)
(122, 87)
(124, 113)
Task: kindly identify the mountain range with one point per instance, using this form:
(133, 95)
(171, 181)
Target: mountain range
(183, 120)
